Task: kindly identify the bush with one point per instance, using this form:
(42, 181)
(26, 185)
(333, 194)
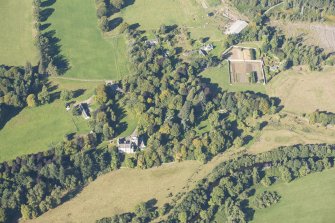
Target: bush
(101, 9)
(266, 199)
(66, 95)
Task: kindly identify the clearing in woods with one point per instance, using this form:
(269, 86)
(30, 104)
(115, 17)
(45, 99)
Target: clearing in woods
(17, 33)
(34, 129)
(90, 54)
(306, 200)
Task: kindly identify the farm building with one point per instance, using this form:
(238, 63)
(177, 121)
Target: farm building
(207, 47)
(85, 111)
(236, 27)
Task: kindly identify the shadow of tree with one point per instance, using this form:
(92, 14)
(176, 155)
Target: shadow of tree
(44, 26)
(115, 23)
(8, 112)
(45, 14)
(53, 51)
(78, 93)
(128, 3)
(47, 3)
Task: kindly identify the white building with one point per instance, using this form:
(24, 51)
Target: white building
(130, 144)
(236, 27)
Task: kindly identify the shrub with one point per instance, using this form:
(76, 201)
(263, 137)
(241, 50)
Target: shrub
(266, 199)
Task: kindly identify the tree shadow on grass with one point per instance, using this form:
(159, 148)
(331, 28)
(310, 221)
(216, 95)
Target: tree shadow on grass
(115, 23)
(128, 3)
(44, 26)
(45, 14)
(8, 112)
(47, 3)
(54, 96)
(54, 50)
(78, 93)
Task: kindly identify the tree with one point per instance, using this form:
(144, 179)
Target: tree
(44, 95)
(101, 9)
(141, 210)
(266, 181)
(255, 176)
(27, 212)
(31, 100)
(101, 95)
(66, 95)
(3, 217)
(286, 174)
(76, 111)
(266, 199)
(107, 131)
(130, 162)
(123, 27)
(52, 69)
(118, 4)
(104, 24)
(182, 216)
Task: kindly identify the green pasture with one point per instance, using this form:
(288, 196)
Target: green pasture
(151, 14)
(306, 200)
(17, 33)
(90, 54)
(34, 129)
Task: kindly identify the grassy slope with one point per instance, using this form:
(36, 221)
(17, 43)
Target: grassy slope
(304, 91)
(289, 130)
(132, 121)
(307, 200)
(121, 190)
(34, 129)
(90, 55)
(16, 32)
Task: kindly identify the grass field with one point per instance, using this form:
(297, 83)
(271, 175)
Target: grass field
(151, 14)
(304, 92)
(34, 129)
(132, 121)
(17, 32)
(121, 190)
(220, 76)
(289, 130)
(306, 200)
(90, 54)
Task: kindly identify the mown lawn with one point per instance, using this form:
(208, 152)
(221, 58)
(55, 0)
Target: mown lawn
(220, 76)
(307, 200)
(17, 33)
(34, 129)
(89, 53)
(131, 121)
